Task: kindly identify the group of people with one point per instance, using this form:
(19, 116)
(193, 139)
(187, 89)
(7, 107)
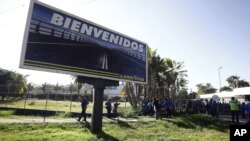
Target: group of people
(108, 106)
(233, 107)
(157, 107)
(167, 106)
(237, 108)
(215, 108)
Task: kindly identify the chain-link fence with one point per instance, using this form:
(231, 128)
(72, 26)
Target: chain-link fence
(45, 100)
(14, 96)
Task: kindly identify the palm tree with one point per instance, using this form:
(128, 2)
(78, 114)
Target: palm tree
(175, 77)
(233, 81)
(44, 87)
(57, 87)
(79, 81)
(156, 68)
(71, 88)
(18, 82)
(14, 82)
(30, 87)
(165, 76)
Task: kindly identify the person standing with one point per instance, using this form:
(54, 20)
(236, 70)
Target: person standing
(116, 104)
(234, 107)
(214, 109)
(167, 106)
(157, 108)
(243, 110)
(109, 107)
(84, 104)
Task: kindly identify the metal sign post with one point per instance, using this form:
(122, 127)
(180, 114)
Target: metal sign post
(97, 113)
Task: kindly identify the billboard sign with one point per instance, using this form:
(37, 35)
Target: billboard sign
(57, 41)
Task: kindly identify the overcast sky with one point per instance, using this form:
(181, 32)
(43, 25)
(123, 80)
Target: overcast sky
(204, 34)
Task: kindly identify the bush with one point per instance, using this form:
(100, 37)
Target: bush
(6, 113)
(129, 113)
(31, 103)
(64, 114)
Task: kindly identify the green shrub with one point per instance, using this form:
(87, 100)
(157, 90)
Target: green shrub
(64, 114)
(6, 113)
(129, 113)
(31, 103)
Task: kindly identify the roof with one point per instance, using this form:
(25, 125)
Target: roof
(224, 94)
(242, 91)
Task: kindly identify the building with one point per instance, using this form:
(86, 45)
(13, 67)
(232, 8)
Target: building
(239, 93)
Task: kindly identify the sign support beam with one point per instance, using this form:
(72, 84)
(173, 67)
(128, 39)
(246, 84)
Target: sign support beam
(97, 113)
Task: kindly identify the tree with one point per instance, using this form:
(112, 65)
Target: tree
(12, 82)
(57, 87)
(175, 76)
(165, 76)
(78, 80)
(235, 82)
(182, 94)
(192, 95)
(30, 87)
(226, 88)
(165, 79)
(44, 88)
(71, 88)
(243, 83)
(205, 89)
(155, 73)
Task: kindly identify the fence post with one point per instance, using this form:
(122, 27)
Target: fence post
(25, 98)
(70, 102)
(47, 96)
(125, 98)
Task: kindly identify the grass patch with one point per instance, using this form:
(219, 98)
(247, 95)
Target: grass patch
(58, 105)
(64, 115)
(184, 128)
(129, 113)
(6, 113)
(200, 122)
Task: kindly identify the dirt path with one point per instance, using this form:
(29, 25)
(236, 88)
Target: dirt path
(36, 120)
(65, 120)
(73, 120)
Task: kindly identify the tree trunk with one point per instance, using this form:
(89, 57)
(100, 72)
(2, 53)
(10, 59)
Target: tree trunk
(131, 95)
